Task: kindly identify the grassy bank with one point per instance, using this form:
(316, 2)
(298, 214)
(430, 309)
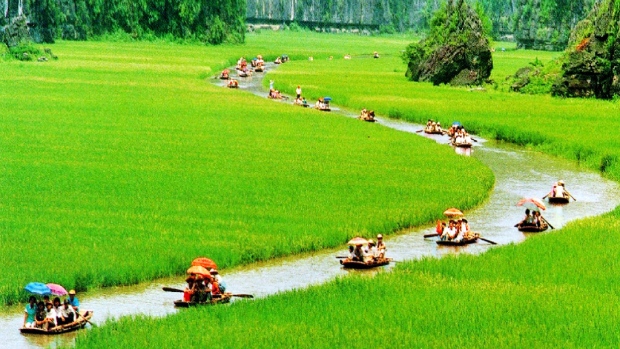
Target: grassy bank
(127, 162)
(576, 129)
(547, 292)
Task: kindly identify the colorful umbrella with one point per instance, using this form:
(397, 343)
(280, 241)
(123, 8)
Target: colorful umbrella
(456, 123)
(453, 212)
(198, 270)
(358, 241)
(327, 99)
(38, 288)
(57, 289)
(532, 203)
(204, 262)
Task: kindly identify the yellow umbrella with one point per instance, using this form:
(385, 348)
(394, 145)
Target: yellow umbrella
(198, 270)
(358, 241)
(453, 212)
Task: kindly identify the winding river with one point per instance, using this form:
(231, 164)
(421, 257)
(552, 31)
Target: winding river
(519, 173)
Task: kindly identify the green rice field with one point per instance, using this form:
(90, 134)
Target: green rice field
(554, 290)
(128, 163)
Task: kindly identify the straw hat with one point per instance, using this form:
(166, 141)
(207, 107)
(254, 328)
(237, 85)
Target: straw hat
(72, 292)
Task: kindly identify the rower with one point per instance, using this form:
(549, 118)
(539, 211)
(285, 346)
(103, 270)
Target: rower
(75, 303)
(380, 247)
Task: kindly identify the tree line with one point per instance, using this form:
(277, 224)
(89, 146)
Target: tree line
(212, 21)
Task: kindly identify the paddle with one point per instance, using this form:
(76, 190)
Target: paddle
(342, 257)
(569, 194)
(85, 319)
(544, 197)
(546, 221)
(170, 289)
(418, 131)
(431, 235)
(241, 295)
(489, 241)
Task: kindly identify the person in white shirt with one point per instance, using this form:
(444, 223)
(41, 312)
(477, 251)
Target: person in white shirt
(220, 281)
(50, 319)
(449, 233)
(380, 247)
(298, 91)
(67, 313)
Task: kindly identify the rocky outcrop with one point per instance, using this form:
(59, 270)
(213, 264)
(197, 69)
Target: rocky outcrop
(456, 51)
(591, 65)
(546, 24)
(16, 32)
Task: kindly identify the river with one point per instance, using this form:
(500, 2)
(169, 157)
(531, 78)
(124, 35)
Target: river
(519, 173)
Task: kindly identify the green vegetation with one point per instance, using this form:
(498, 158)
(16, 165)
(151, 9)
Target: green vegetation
(553, 125)
(547, 292)
(208, 21)
(123, 159)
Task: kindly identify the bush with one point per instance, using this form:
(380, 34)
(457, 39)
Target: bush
(25, 51)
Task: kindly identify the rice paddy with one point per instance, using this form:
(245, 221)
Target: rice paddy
(125, 160)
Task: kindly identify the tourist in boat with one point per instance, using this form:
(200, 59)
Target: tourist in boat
(214, 286)
(358, 254)
(450, 232)
(60, 320)
(351, 255)
(50, 319)
(298, 91)
(278, 60)
(30, 313)
(233, 83)
(363, 114)
(67, 313)
(466, 138)
(375, 55)
(224, 74)
(200, 294)
(304, 102)
(370, 251)
(220, 281)
(347, 56)
(438, 127)
(75, 303)
(40, 318)
(537, 219)
(380, 247)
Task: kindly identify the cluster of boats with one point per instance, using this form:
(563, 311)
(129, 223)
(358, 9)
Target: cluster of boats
(458, 136)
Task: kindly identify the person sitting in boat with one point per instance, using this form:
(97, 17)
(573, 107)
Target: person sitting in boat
(225, 74)
(56, 306)
(40, 318)
(466, 138)
(438, 127)
(214, 286)
(380, 247)
(233, 83)
(278, 60)
(304, 102)
(67, 313)
(319, 104)
(537, 219)
(351, 255)
(363, 114)
(50, 318)
(559, 190)
(347, 56)
(371, 116)
(200, 294)
(450, 232)
(370, 251)
(75, 303)
(30, 313)
(358, 254)
(376, 55)
(220, 281)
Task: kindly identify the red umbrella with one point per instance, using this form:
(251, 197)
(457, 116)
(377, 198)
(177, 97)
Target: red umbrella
(532, 203)
(57, 289)
(204, 262)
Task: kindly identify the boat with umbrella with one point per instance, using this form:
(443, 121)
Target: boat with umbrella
(41, 289)
(470, 238)
(529, 224)
(372, 263)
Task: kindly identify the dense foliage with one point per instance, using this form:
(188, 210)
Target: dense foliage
(211, 21)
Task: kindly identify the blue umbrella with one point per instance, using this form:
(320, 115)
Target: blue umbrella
(456, 123)
(38, 288)
(327, 99)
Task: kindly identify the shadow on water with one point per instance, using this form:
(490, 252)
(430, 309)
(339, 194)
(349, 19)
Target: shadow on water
(519, 173)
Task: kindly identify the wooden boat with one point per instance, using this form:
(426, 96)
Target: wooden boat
(225, 298)
(530, 228)
(365, 265)
(454, 243)
(259, 69)
(558, 200)
(86, 315)
(429, 132)
(462, 145)
(224, 77)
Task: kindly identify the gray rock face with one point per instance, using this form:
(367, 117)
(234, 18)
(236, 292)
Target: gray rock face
(16, 32)
(456, 52)
(591, 65)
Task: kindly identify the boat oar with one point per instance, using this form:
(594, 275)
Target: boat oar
(171, 289)
(489, 241)
(85, 319)
(342, 257)
(546, 221)
(473, 139)
(241, 295)
(569, 194)
(431, 235)
(418, 131)
(544, 197)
